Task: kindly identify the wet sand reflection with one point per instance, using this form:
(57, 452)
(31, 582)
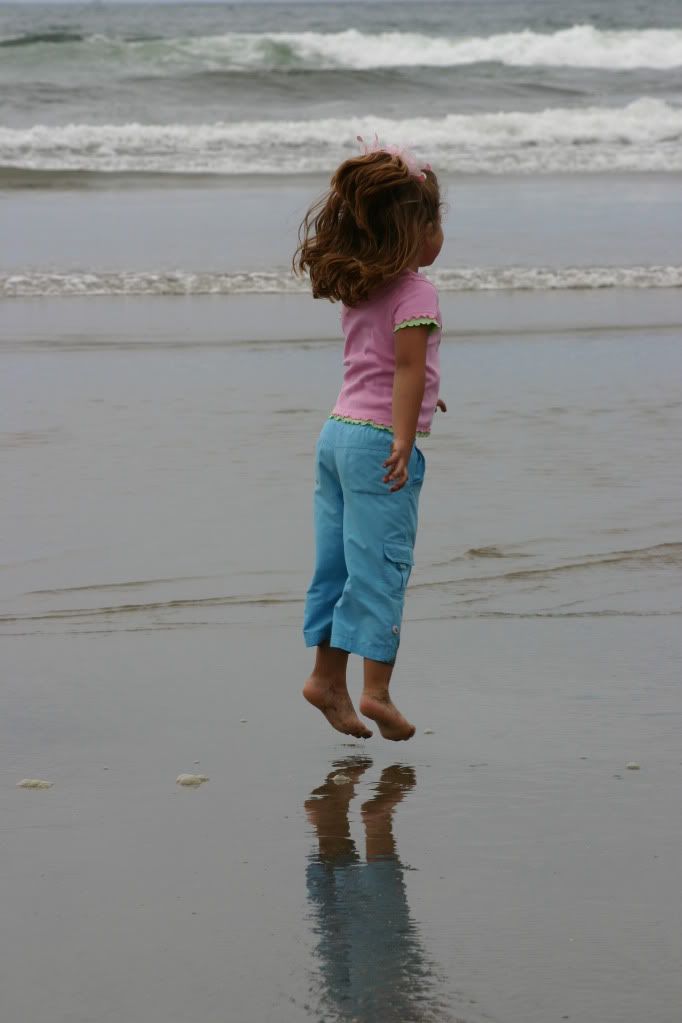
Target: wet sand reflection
(371, 961)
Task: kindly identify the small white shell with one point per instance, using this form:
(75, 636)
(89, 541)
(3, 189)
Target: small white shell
(191, 779)
(34, 783)
(341, 779)
(428, 731)
(632, 766)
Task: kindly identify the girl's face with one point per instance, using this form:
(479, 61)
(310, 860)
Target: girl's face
(432, 243)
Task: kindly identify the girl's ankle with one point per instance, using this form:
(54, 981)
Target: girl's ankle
(381, 695)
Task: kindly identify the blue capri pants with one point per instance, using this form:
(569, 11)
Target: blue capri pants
(364, 542)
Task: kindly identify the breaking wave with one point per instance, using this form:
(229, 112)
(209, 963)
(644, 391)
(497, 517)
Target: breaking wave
(581, 46)
(645, 135)
(278, 282)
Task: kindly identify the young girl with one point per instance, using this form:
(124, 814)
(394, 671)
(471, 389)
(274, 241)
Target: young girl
(362, 244)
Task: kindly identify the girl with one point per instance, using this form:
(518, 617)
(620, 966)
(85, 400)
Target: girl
(362, 244)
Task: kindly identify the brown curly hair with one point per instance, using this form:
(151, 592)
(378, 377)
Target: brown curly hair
(367, 228)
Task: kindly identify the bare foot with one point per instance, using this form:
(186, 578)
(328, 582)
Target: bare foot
(333, 700)
(391, 722)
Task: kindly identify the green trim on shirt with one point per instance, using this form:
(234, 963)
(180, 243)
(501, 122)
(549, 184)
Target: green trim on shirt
(418, 321)
(370, 422)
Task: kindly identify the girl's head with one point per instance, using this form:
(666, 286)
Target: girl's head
(378, 218)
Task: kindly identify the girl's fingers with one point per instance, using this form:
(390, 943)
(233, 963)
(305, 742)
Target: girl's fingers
(397, 470)
(392, 463)
(399, 473)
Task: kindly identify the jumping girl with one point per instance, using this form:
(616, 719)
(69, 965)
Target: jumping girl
(362, 244)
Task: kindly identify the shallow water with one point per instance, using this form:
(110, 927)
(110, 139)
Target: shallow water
(141, 466)
(614, 221)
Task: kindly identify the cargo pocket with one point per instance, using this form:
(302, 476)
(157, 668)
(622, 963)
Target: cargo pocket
(401, 557)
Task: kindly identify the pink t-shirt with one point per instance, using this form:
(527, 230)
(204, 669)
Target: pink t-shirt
(369, 353)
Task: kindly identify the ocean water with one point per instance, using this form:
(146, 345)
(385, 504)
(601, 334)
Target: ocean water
(155, 162)
(272, 88)
(141, 98)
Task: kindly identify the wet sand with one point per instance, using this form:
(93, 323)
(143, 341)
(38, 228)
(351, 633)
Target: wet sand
(158, 461)
(535, 876)
(208, 223)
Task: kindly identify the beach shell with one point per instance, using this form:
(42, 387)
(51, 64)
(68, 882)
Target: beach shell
(428, 731)
(191, 780)
(632, 766)
(34, 783)
(341, 779)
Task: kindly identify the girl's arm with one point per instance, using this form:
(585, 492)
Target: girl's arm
(408, 392)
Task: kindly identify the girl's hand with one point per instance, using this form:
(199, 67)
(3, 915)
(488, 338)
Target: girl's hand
(440, 404)
(397, 463)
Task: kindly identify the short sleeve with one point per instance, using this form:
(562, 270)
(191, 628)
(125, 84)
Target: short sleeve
(416, 305)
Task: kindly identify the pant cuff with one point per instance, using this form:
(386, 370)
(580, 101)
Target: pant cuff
(385, 652)
(314, 637)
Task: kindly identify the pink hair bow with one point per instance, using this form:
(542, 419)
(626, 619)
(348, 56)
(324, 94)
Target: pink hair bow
(405, 154)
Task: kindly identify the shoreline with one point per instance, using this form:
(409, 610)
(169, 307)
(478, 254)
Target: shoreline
(285, 320)
(31, 179)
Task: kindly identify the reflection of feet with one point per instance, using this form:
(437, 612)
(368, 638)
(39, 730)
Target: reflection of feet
(327, 807)
(377, 813)
(333, 700)
(391, 722)
(395, 782)
(353, 768)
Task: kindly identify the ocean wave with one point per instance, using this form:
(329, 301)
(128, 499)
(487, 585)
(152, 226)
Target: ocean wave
(36, 38)
(581, 46)
(645, 135)
(282, 282)
(665, 555)
(184, 611)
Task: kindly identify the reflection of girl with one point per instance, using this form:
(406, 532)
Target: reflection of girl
(363, 244)
(373, 966)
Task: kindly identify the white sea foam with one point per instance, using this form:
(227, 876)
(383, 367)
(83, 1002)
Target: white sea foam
(645, 135)
(277, 282)
(582, 46)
